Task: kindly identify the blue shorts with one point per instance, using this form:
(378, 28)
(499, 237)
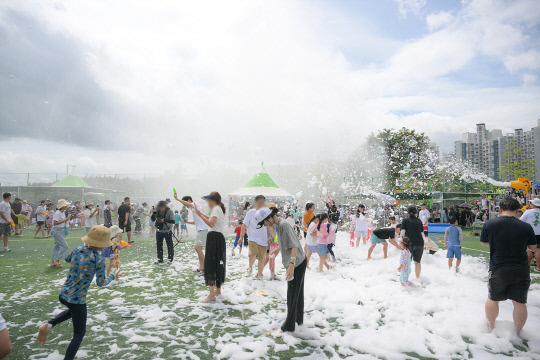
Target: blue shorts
(312, 248)
(323, 249)
(454, 251)
(236, 240)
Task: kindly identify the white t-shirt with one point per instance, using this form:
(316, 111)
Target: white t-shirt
(59, 216)
(90, 221)
(220, 225)
(361, 223)
(199, 222)
(424, 216)
(484, 204)
(532, 217)
(311, 239)
(5, 208)
(39, 213)
(260, 236)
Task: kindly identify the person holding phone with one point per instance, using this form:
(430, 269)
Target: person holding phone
(293, 259)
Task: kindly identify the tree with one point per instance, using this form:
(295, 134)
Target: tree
(407, 157)
(516, 166)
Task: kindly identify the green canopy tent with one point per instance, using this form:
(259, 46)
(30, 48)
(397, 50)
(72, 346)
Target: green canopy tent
(72, 181)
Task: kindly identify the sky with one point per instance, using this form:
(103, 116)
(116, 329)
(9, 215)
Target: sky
(144, 86)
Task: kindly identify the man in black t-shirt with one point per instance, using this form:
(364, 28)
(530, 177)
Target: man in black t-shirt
(124, 211)
(509, 272)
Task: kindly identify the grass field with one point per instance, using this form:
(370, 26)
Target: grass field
(171, 323)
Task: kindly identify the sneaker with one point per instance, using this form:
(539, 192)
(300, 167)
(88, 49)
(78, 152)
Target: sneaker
(6, 249)
(169, 262)
(457, 270)
(273, 276)
(158, 262)
(249, 271)
(260, 278)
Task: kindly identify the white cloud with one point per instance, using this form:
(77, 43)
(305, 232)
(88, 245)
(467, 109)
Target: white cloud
(406, 6)
(529, 60)
(436, 21)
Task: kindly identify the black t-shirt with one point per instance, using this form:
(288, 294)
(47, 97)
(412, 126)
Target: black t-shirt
(16, 207)
(385, 233)
(508, 238)
(413, 230)
(122, 211)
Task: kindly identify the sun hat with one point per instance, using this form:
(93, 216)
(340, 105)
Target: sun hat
(115, 230)
(271, 205)
(261, 215)
(99, 236)
(535, 202)
(62, 202)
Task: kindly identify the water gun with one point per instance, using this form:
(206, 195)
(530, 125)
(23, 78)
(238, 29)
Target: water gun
(174, 190)
(124, 243)
(12, 223)
(275, 239)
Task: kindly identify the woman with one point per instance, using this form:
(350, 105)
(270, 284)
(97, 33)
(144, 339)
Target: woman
(361, 225)
(413, 228)
(215, 258)
(293, 259)
(311, 238)
(59, 224)
(90, 216)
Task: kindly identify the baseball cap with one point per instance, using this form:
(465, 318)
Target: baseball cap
(261, 215)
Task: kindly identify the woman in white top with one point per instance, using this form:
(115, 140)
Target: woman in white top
(90, 216)
(215, 258)
(59, 223)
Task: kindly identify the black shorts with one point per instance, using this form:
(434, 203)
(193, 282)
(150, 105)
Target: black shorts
(40, 223)
(417, 251)
(15, 219)
(509, 283)
(125, 228)
(537, 240)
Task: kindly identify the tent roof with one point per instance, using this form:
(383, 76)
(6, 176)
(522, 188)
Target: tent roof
(261, 180)
(71, 181)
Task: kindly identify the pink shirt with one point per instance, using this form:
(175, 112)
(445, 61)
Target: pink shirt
(322, 234)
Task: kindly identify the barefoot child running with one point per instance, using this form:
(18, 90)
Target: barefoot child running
(453, 237)
(405, 263)
(86, 262)
(237, 241)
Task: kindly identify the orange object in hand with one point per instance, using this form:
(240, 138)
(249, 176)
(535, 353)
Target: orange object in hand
(125, 244)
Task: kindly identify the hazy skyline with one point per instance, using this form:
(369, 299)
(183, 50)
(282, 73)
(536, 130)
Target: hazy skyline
(140, 87)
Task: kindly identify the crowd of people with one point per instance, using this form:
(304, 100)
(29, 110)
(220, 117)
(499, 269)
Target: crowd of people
(268, 230)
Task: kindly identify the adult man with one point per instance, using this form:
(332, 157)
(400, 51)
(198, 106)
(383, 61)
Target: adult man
(164, 219)
(200, 226)
(5, 218)
(532, 217)
(41, 216)
(108, 210)
(485, 206)
(16, 209)
(257, 238)
(509, 274)
(424, 216)
(124, 223)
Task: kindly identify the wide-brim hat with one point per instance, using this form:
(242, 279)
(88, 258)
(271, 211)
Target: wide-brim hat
(62, 202)
(115, 230)
(535, 202)
(261, 215)
(99, 236)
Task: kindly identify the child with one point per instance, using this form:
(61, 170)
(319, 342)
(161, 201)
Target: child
(405, 263)
(114, 251)
(393, 221)
(176, 228)
(237, 241)
(311, 238)
(86, 262)
(322, 242)
(183, 221)
(453, 236)
(331, 239)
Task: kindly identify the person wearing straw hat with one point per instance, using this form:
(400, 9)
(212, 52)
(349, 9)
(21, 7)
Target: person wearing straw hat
(59, 223)
(86, 263)
(532, 217)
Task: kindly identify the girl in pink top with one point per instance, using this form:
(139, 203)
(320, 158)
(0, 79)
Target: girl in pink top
(331, 240)
(322, 242)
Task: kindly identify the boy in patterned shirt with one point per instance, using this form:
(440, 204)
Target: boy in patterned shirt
(86, 263)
